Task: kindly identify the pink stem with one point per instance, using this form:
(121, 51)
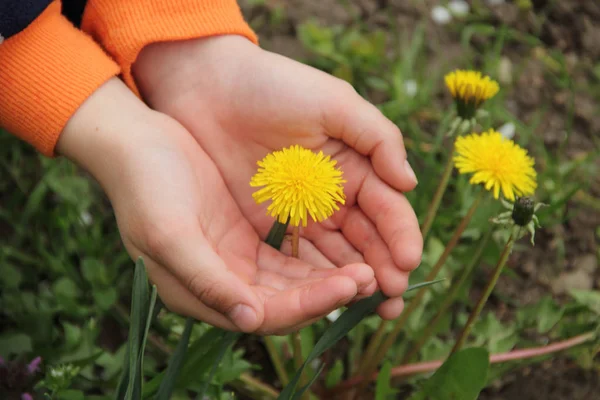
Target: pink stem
(417, 368)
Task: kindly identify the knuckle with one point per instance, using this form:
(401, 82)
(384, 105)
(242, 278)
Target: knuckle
(211, 293)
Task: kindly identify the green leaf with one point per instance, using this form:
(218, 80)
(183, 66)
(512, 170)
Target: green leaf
(198, 360)
(10, 276)
(228, 340)
(14, 343)
(549, 313)
(105, 298)
(276, 234)
(588, 298)
(167, 384)
(71, 394)
(340, 328)
(200, 356)
(94, 271)
(461, 377)
(65, 288)
(383, 390)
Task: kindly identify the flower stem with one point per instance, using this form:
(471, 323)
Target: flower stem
(428, 366)
(295, 241)
(372, 347)
(297, 345)
(254, 388)
(371, 364)
(437, 197)
(485, 295)
(296, 339)
(276, 360)
(448, 300)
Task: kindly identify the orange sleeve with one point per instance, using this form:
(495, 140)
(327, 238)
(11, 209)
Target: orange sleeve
(46, 72)
(124, 27)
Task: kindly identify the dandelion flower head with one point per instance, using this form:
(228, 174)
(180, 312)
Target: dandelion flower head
(299, 182)
(497, 162)
(470, 89)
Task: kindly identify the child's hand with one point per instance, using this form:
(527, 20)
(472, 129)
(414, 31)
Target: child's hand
(174, 209)
(241, 102)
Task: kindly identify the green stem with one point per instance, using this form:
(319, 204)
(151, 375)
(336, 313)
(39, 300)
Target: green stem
(254, 388)
(297, 345)
(486, 294)
(276, 360)
(371, 364)
(371, 348)
(437, 197)
(296, 339)
(355, 350)
(448, 300)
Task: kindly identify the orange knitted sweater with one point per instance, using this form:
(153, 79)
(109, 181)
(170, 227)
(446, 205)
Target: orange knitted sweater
(50, 68)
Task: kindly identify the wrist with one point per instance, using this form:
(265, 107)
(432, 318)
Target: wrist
(167, 70)
(105, 129)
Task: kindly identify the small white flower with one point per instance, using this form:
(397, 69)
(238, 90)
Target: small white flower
(459, 8)
(410, 87)
(86, 218)
(507, 130)
(334, 315)
(441, 15)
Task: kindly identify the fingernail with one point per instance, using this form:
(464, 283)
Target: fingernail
(244, 317)
(410, 171)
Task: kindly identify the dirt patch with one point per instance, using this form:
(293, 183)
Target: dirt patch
(557, 379)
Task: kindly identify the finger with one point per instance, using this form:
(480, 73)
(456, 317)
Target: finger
(291, 307)
(361, 232)
(333, 245)
(179, 300)
(361, 274)
(189, 257)
(391, 309)
(395, 220)
(359, 124)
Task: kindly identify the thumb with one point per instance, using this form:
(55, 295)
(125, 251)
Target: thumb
(203, 272)
(359, 124)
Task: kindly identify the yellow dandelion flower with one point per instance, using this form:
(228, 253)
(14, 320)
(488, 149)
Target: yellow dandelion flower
(299, 182)
(496, 162)
(470, 89)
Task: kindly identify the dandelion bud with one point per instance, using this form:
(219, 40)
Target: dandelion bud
(469, 90)
(523, 211)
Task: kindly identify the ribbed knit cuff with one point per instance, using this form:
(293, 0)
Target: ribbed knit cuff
(124, 27)
(46, 72)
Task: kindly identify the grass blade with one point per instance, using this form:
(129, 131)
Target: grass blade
(304, 388)
(139, 310)
(340, 328)
(169, 379)
(228, 340)
(138, 381)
